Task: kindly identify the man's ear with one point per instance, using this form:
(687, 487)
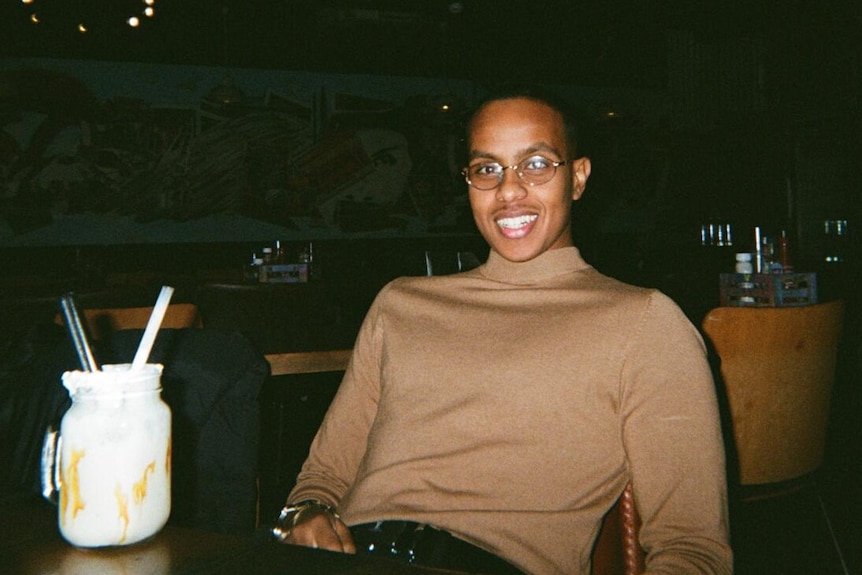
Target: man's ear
(580, 174)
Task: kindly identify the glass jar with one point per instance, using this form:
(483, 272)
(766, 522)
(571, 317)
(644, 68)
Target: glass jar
(113, 464)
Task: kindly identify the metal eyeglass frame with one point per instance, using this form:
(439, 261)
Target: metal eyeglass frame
(518, 170)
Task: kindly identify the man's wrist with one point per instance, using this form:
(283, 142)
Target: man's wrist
(291, 513)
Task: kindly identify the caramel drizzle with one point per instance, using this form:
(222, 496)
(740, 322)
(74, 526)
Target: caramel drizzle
(70, 491)
(70, 480)
(139, 489)
(168, 458)
(122, 510)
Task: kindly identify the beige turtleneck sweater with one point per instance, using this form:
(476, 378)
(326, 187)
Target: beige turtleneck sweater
(512, 403)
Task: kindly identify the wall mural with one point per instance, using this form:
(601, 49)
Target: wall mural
(76, 167)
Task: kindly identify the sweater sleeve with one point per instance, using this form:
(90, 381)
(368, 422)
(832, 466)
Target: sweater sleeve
(674, 445)
(340, 444)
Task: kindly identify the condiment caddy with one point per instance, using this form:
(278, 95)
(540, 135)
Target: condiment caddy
(765, 277)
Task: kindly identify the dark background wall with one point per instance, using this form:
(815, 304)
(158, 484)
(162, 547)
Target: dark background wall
(710, 111)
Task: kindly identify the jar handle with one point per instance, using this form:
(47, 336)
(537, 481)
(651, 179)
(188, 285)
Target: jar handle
(51, 445)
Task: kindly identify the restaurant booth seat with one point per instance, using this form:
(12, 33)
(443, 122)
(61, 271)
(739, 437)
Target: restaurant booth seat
(777, 368)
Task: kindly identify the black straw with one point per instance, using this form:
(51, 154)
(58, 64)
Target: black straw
(76, 330)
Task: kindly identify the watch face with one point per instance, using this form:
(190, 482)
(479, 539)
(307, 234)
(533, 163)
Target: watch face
(290, 515)
(284, 523)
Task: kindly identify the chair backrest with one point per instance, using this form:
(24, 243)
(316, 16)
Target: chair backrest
(298, 362)
(778, 368)
(102, 321)
(617, 550)
(294, 401)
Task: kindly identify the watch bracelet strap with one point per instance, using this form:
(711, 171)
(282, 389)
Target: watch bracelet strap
(291, 513)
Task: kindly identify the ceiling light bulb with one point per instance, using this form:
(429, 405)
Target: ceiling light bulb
(133, 22)
(149, 12)
(82, 29)
(27, 1)
(34, 18)
(149, 2)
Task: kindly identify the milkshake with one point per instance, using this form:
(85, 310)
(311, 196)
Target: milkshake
(113, 468)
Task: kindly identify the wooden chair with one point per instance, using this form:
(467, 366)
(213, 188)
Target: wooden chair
(294, 363)
(617, 550)
(778, 367)
(294, 401)
(102, 321)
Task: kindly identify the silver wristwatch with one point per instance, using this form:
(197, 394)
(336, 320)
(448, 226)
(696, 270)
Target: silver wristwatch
(291, 513)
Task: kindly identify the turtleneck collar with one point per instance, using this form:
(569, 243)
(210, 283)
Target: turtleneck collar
(545, 266)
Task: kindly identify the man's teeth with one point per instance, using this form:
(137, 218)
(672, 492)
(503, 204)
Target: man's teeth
(517, 222)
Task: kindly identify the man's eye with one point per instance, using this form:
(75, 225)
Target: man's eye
(486, 169)
(536, 163)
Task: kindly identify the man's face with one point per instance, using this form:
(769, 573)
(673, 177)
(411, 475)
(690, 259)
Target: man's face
(520, 221)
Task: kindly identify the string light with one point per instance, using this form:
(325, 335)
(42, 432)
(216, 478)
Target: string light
(39, 14)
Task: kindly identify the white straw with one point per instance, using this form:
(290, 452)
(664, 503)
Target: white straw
(153, 325)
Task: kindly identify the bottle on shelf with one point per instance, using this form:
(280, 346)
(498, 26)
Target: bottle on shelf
(261, 271)
(758, 250)
(767, 252)
(306, 256)
(743, 263)
(784, 258)
(267, 256)
(278, 254)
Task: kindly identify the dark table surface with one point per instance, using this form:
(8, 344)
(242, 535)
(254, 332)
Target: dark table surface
(30, 544)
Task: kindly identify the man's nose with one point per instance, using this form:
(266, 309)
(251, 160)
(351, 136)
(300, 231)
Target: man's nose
(511, 187)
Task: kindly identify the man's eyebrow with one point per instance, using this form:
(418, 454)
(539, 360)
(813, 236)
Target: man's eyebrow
(523, 153)
(474, 154)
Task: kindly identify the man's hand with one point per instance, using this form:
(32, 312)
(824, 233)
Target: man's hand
(322, 530)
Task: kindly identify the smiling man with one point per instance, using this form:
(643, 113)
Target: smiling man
(489, 419)
(520, 204)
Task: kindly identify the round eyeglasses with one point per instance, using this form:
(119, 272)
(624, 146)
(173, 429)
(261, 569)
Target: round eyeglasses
(533, 171)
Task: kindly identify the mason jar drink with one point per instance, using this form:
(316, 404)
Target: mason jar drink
(113, 464)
